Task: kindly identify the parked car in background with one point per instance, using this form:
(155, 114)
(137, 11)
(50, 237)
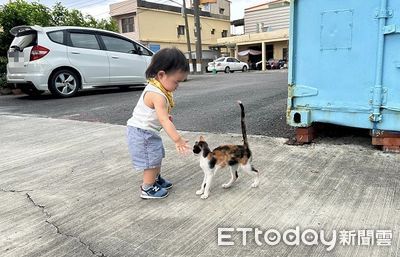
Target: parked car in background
(272, 64)
(227, 64)
(64, 60)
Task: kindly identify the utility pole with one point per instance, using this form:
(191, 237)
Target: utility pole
(188, 35)
(196, 4)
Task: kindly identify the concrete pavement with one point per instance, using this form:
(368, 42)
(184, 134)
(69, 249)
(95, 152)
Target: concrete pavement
(67, 189)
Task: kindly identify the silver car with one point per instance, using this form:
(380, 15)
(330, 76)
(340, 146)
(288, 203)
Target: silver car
(227, 64)
(64, 60)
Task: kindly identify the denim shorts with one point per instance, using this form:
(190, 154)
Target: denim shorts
(145, 147)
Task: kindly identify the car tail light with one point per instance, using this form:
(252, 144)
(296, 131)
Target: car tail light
(218, 64)
(38, 52)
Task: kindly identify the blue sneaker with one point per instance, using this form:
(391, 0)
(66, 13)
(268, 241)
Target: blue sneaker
(163, 182)
(154, 192)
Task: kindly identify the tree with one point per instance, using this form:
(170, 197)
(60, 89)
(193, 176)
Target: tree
(59, 14)
(108, 24)
(18, 13)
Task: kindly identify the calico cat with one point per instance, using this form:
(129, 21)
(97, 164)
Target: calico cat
(234, 156)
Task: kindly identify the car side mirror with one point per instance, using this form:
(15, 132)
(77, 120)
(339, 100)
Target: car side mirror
(140, 50)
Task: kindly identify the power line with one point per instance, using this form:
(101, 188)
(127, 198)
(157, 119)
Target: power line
(117, 8)
(162, 2)
(86, 4)
(127, 3)
(124, 5)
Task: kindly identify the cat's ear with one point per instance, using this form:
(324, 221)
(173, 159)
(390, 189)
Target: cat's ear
(202, 138)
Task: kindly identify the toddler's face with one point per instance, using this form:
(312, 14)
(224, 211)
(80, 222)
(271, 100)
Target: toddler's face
(171, 81)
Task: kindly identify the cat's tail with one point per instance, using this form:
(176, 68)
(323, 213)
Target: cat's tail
(243, 125)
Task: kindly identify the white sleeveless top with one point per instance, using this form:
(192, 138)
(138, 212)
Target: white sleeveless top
(143, 116)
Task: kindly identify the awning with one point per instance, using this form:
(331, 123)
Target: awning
(249, 51)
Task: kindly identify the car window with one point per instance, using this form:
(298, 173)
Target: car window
(230, 60)
(220, 59)
(56, 36)
(84, 40)
(140, 48)
(118, 45)
(144, 50)
(236, 60)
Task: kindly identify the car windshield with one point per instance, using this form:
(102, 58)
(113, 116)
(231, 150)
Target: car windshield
(24, 39)
(220, 59)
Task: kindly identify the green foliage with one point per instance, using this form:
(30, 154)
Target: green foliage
(3, 70)
(20, 12)
(3, 63)
(61, 16)
(17, 13)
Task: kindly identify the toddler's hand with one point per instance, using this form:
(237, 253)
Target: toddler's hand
(181, 146)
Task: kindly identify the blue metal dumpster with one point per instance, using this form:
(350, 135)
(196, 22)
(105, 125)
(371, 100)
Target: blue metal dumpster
(344, 65)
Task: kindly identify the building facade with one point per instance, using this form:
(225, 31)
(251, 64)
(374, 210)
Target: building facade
(267, 17)
(266, 30)
(158, 25)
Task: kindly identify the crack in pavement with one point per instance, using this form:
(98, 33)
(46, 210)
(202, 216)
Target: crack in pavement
(14, 191)
(48, 215)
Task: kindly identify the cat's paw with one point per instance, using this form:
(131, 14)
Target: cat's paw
(255, 184)
(199, 192)
(227, 185)
(204, 196)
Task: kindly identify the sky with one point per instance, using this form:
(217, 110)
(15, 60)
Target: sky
(100, 8)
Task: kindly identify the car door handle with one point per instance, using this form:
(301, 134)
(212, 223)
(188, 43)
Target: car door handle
(115, 57)
(75, 53)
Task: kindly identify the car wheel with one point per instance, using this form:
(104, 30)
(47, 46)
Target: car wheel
(227, 69)
(244, 68)
(31, 91)
(64, 83)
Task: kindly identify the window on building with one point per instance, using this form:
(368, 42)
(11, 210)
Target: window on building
(181, 30)
(212, 31)
(221, 10)
(224, 33)
(128, 25)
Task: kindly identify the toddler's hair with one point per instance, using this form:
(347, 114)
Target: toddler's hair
(168, 60)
